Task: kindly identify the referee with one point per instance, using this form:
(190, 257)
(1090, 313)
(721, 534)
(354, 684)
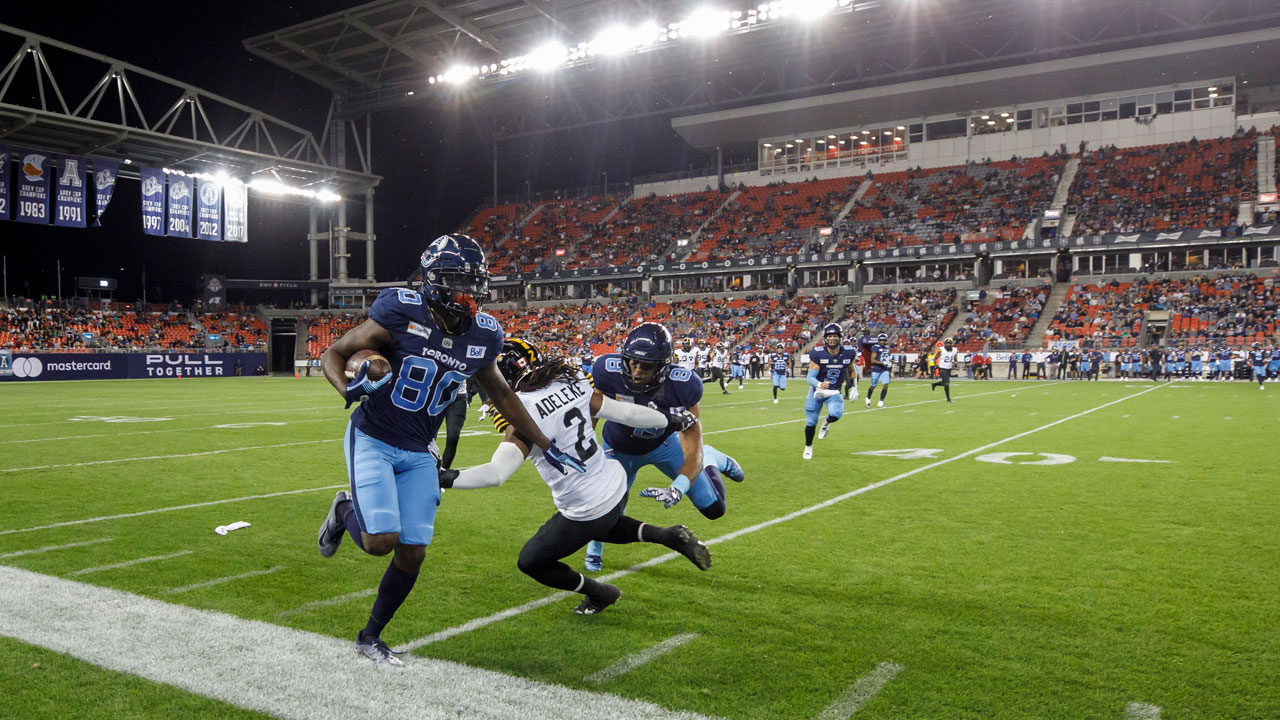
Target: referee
(946, 362)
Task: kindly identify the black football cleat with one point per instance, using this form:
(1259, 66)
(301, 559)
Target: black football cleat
(332, 530)
(688, 545)
(592, 605)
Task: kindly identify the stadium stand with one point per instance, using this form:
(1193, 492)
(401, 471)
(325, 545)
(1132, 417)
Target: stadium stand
(1111, 313)
(31, 328)
(1235, 309)
(322, 330)
(913, 318)
(643, 229)
(1008, 318)
(773, 219)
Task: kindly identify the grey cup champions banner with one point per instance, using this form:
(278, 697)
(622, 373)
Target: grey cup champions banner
(236, 219)
(152, 201)
(33, 187)
(71, 192)
(209, 211)
(104, 184)
(4, 182)
(180, 195)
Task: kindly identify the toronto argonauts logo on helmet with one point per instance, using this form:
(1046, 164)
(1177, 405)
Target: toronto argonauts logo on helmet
(454, 277)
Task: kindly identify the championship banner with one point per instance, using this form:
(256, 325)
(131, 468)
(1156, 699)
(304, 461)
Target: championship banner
(4, 182)
(71, 191)
(152, 201)
(209, 211)
(236, 220)
(33, 187)
(104, 184)
(180, 196)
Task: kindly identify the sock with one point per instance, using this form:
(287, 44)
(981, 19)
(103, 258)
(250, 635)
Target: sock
(347, 511)
(808, 435)
(831, 419)
(392, 591)
(947, 389)
(870, 390)
(883, 391)
(712, 474)
(775, 392)
(629, 530)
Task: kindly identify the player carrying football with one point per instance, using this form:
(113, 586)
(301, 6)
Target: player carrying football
(829, 363)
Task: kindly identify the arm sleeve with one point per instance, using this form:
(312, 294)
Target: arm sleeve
(506, 459)
(813, 378)
(630, 414)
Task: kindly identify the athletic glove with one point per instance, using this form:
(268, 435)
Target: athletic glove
(447, 476)
(558, 458)
(361, 388)
(681, 421)
(668, 496)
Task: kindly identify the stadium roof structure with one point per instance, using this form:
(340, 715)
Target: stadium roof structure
(391, 53)
(61, 98)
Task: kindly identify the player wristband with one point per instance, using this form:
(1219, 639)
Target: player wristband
(681, 483)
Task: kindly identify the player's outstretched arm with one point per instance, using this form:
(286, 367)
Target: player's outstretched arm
(506, 459)
(638, 416)
(506, 403)
(367, 334)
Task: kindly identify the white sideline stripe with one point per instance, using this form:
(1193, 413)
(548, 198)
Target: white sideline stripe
(1104, 458)
(276, 670)
(1141, 711)
(635, 660)
(860, 692)
(533, 604)
(221, 580)
(166, 430)
(326, 603)
(180, 402)
(168, 457)
(140, 513)
(131, 563)
(51, 548)
(175, 417)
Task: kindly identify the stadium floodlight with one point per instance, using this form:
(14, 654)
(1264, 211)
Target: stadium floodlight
(456, 75)
(547, 56)
(806, 10)
(619, 39)
(705, 22)
(986, 117)
(768, 144)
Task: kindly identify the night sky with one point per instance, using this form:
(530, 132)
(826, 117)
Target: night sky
(435, 161)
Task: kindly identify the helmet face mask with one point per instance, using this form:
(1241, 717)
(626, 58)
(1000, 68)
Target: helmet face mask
(646, 357)
(829, 332)
(517, 359)
(454, 279)
(882, 338)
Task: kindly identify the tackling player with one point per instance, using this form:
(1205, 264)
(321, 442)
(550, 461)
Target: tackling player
(880, 357)
(828, 365)
(946, 363)
(590, 505)
(778, 369)
(435, 339)
(641, 372)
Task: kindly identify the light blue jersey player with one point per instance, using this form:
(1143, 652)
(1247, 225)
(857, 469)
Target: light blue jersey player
(881, 359)
(778, 370)
(642, 372)
(829, 365)
(434, 338)
(737, 365)
(1258, 359)
(1273, 368)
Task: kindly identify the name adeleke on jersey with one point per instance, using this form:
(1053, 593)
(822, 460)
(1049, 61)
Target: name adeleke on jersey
(557, 400)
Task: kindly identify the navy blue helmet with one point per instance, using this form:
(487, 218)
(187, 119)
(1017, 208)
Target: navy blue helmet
(648, 345)
(455, 278)
(882, 338)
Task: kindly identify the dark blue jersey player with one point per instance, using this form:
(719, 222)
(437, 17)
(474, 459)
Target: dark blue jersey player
(881, 359)
(435, 339)
(1258, 358)
(829, 366)
(642, 372)
(778, 370)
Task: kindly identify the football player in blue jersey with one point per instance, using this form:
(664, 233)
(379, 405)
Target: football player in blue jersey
(642, 372)
(1258, 358)
(778, 369)
(1273, 368)
(435, 338)
(829, 364)
(881, 358)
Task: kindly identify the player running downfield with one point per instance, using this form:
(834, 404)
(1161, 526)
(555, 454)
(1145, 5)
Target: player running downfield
(434, 338)
(737, 371)
(829, 363)
(641, 372)
(1258, 358)
(778, 369)
(946, 363)
(881, 358)
(589, 505)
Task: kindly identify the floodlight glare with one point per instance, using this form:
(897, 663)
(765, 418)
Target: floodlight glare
(456, 75)
(808, 9)
(705, 22)
(547, 57)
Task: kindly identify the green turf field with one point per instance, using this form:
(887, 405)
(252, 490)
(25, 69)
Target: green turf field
(993, 567)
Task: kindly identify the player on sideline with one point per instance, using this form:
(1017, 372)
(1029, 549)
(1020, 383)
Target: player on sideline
(1273, 368)
(778, 367)
(1258, 358)
(946, 363)
(435, 339)
(828, 364)
(851, 380)
(641, 372)
(590, 505)
(880, 357)
(736, 371)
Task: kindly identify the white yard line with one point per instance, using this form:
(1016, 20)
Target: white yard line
(534, 604)
(221, 580)
(131, 563)
(140, 513)
(635, 660)
(1141, 711)
(1104, 458)
(307, 607)
(166, 430)
(168, 457)
(276, 670)
(50, 548)
(177, 417)
(860, 692)
(176, 402)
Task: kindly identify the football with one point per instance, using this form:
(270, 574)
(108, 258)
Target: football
(378, 365)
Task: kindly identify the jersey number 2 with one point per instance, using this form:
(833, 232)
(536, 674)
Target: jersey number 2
(586, 445)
